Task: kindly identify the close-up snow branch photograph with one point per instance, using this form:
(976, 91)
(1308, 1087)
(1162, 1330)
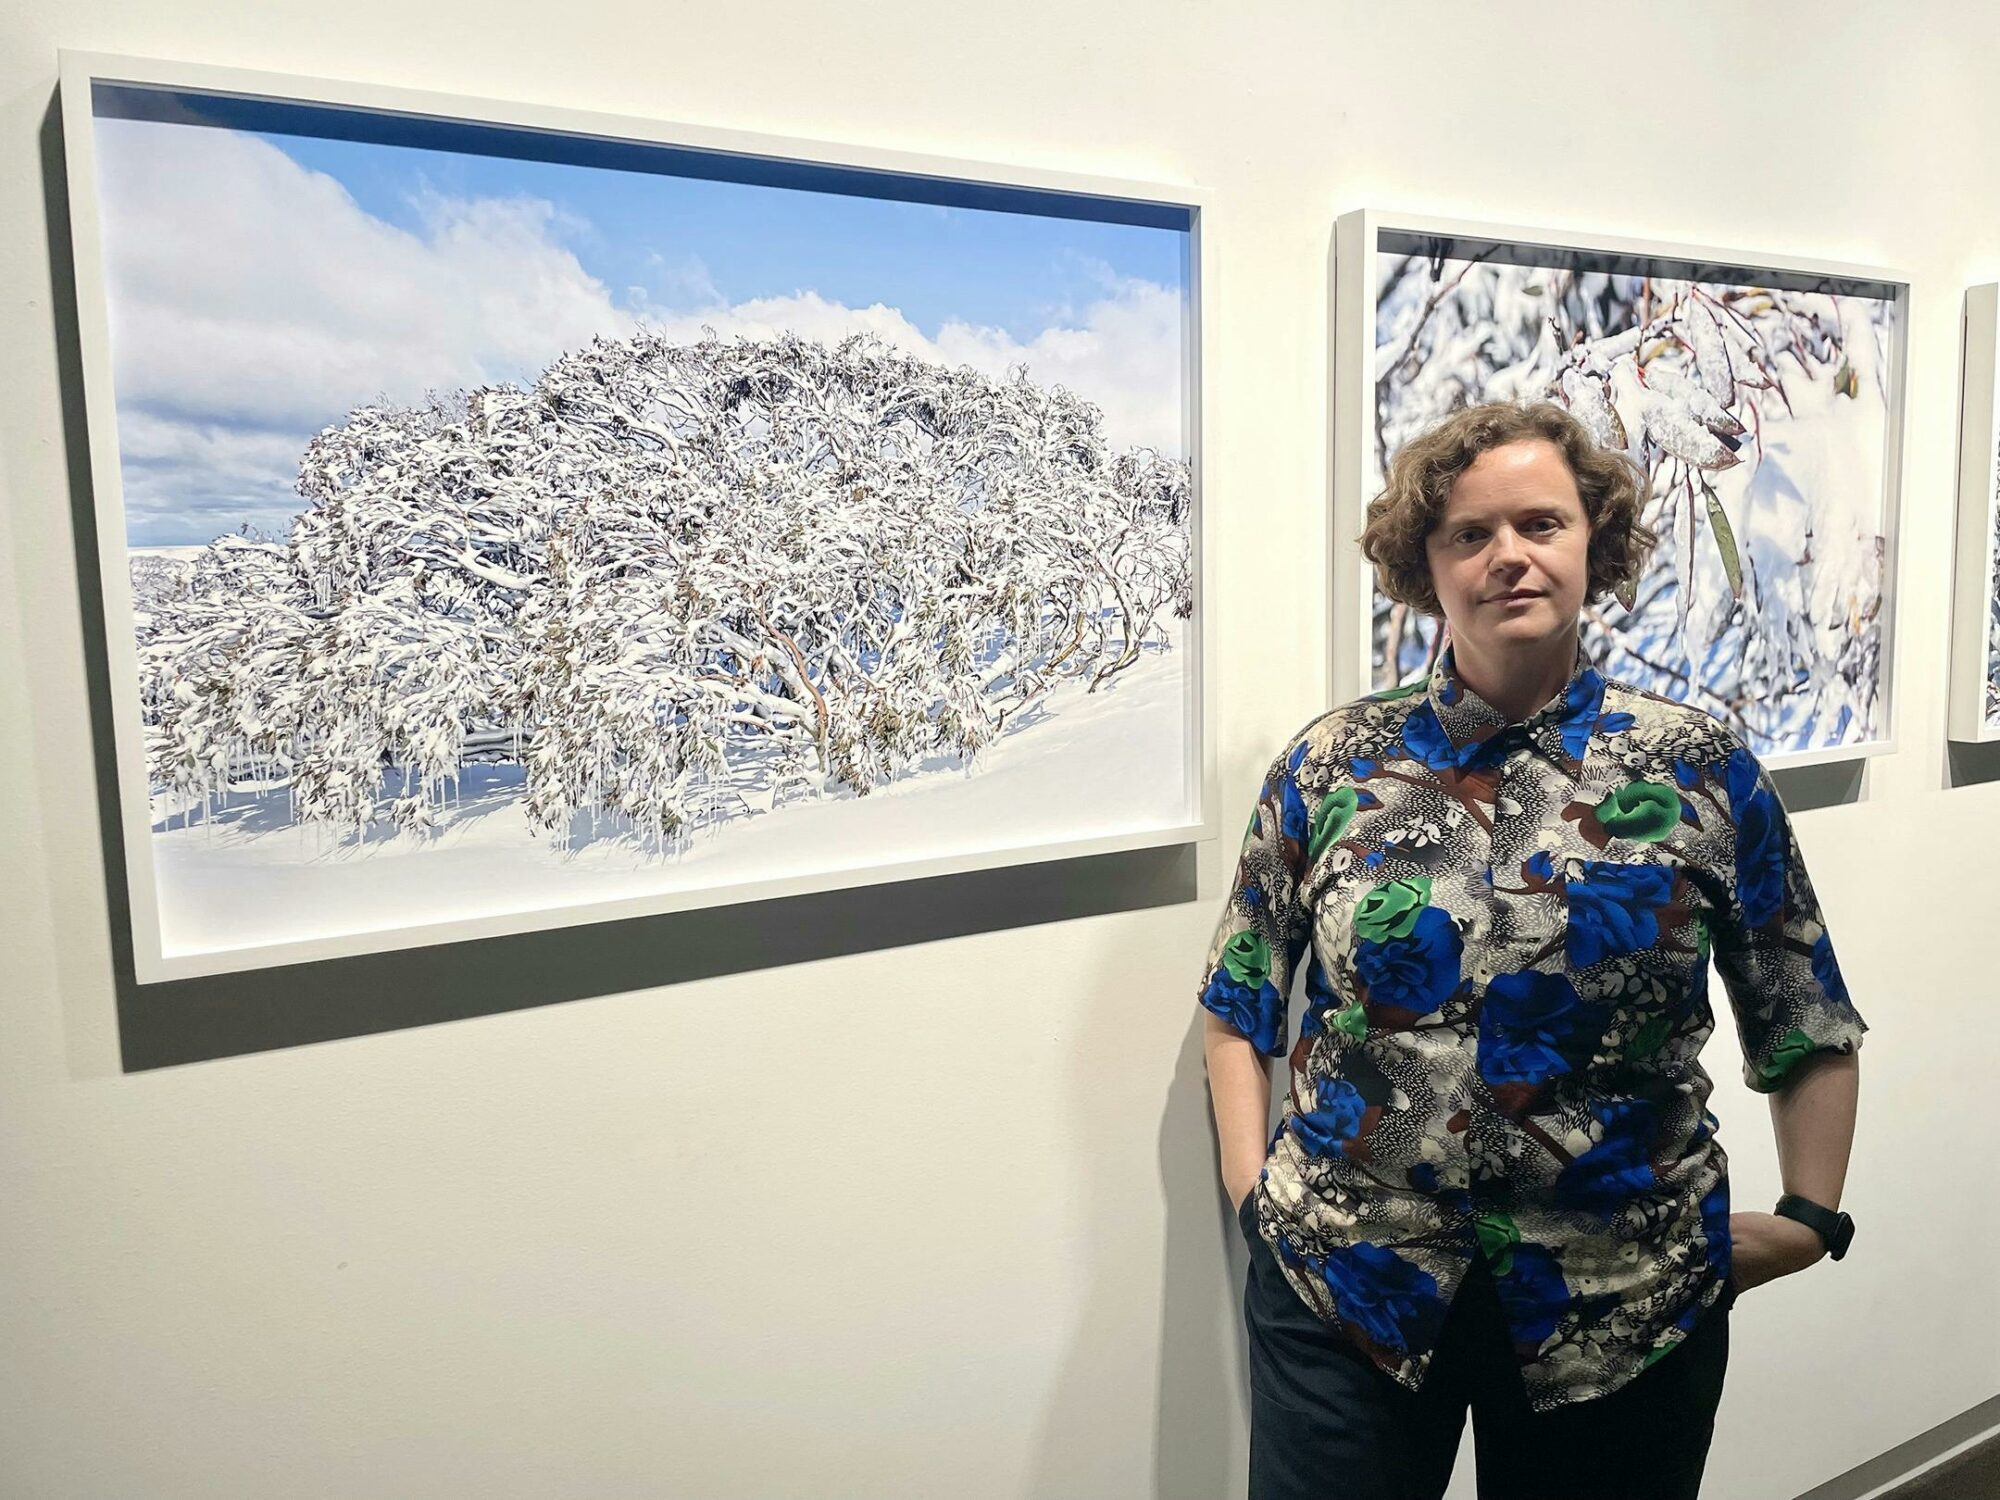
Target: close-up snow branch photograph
(1758, 403)
(519, 521)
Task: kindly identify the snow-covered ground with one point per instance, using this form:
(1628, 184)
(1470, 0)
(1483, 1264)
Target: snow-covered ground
(1084, 766)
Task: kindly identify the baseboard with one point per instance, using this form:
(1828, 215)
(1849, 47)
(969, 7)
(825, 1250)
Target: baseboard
(1906, 1461)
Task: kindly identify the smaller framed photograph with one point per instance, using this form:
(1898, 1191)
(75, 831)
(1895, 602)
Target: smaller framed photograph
(1975, 631)
(1762, 396)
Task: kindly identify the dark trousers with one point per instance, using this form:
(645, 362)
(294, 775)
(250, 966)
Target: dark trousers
(1326, 1424)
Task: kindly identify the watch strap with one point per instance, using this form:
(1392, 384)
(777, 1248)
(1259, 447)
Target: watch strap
(1835, 1229)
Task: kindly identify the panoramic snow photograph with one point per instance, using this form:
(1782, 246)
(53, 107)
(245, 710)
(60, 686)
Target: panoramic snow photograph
(1760, 412)
(513, 534)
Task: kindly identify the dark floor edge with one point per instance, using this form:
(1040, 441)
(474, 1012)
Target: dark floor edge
(1903, 1460)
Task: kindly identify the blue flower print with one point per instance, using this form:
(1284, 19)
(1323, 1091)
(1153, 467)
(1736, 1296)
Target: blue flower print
(1425, 740)
(1293, 820)
(1321, 998)
(1760, 841)
(1612, 910)
(1619, 1167)
(1241, 992)
(1388, 1298)
(1715, 1229)
(1337, 1117)
(1418, 972)
(1534, 1294)
(1827, 971)
(1253, 1010)
(1579, 713)
(1522, 1024)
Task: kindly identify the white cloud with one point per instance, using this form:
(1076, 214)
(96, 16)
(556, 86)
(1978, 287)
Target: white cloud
(253, 301)
(185, 477)
(245, 287)
(678, 282)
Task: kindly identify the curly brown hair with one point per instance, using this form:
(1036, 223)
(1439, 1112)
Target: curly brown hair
(1613, 490)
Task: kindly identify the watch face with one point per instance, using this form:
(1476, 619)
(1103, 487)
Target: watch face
(1843, 1236)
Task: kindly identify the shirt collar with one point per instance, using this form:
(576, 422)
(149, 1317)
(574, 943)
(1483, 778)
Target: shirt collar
(1481, 735)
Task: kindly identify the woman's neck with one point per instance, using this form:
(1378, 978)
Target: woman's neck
(1518, 680)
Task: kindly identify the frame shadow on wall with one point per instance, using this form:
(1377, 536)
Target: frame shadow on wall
(222, 1015)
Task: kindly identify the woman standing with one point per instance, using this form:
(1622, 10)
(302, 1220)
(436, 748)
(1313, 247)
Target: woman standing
(1496, 1186)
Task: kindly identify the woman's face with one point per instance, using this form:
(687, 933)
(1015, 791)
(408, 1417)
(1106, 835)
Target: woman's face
(1510, 555)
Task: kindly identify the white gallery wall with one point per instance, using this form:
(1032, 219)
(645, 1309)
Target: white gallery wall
(942, 1219)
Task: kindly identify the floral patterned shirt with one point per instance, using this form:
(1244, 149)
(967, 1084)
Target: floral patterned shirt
(1506, 931)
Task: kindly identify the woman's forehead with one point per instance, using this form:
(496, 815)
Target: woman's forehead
(1511, 477)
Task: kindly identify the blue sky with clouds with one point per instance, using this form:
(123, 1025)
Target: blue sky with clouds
(263, 284)
(667, 236)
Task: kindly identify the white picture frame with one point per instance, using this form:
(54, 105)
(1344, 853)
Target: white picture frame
(1361, 237)
(1974, 713)
(1183, 815)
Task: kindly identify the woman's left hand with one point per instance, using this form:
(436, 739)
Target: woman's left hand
(1764, 1247)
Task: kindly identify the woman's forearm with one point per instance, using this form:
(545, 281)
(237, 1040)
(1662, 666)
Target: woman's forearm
(1239, 1091)
(1813, 1118)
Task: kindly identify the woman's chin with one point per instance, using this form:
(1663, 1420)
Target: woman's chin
(1525, 627)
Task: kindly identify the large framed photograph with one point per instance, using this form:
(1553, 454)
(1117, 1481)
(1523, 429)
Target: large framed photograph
(1974, 715)
(511, 517)
(1761, 396)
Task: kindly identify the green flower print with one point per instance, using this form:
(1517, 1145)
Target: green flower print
(1498, 1235)
(1353, 1021)
(1793, 1050)
(1390, 910)
(1641, 810)
(1391, 695)
(1330, 820)
(1247, 957)
(1657, 1353)
(1649, 1038)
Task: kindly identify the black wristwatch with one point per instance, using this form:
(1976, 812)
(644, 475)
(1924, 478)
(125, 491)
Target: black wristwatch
(1835, 1229)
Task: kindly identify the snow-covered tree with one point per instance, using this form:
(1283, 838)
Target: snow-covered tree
(221, 642)
(672, 578)
(1747, 608)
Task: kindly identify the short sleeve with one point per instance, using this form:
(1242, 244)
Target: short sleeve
(1771, 942)
(1265, 926)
